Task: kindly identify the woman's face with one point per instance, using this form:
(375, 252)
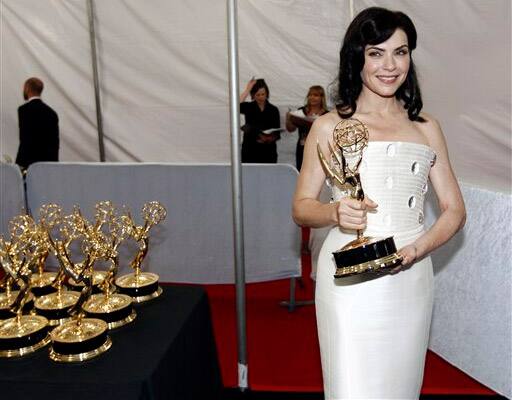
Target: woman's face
(260, 96)
(314, 98)
(386, 64)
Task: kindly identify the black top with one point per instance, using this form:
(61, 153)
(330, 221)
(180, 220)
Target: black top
(39, 133)
(304, 129)
(256, 121)
(303, 134)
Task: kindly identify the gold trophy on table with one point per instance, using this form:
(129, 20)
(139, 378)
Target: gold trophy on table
(55, 306)
(364, 254)
(80, 338)
(22, 231)
(22, 334)
(114, 308)
(142, 286)
(104, 212)
(42, 281)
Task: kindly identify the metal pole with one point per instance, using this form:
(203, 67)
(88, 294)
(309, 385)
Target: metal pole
(236, 184)
(92, 36)
(351, 9)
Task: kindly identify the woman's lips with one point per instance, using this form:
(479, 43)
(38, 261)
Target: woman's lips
(387, 79)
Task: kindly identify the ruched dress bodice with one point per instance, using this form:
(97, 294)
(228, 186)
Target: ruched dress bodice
(395, 176)
(373, 332)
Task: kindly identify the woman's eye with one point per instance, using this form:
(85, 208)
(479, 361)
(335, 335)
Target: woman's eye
(402, 52)
(374, 54)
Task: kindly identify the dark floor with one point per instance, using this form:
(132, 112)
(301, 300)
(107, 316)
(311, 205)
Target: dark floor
(235, 394)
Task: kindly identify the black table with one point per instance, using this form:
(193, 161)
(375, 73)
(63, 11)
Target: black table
(168, 352)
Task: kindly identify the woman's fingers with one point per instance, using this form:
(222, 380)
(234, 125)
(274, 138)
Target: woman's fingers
(370, 203)
(409, 254)
(352, 212)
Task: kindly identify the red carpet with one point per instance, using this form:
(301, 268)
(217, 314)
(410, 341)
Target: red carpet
(283, 352)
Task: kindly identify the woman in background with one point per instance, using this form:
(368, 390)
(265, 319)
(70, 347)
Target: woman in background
(314, 107)
(260, 115)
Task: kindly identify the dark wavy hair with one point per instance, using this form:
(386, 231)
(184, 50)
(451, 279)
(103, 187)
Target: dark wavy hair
(260, 83)
(372, 26)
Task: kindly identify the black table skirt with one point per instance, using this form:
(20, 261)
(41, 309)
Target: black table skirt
(168, 352)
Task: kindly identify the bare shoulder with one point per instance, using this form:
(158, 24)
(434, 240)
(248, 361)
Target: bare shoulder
(324, 125)
(431, 129)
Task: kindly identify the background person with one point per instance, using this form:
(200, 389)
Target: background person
(39, 127)
(373, 332)
(315, 106)
(260, 115)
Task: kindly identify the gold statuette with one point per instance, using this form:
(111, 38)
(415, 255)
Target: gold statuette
(42, 281)
(107, 234)
(22, 334)
(55, 306)
(80, 338)
(142, 286)
(364, 254)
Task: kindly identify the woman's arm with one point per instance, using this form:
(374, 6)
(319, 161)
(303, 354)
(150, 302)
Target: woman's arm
(307, 210)
(247, 90)
(290, 127)
(451, 204)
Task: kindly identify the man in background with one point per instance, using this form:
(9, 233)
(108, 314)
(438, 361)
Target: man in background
(39, 127)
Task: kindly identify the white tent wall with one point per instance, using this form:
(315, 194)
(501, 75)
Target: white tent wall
(163, 73)
(48, 39)
(162, 70)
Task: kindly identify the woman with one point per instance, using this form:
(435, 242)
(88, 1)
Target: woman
(259, 146)
(315, 106)
(373, 333)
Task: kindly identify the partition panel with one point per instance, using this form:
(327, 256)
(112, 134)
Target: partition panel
(472, 319)
(195, 242)
(12, 195)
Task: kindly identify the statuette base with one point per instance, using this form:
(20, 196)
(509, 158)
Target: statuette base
(79, 340)
(41, 284)
(116, 309)
(366, 255)
(55, 306)
(141, 287)
(23, 335)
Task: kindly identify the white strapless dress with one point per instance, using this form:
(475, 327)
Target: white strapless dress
(374, 332)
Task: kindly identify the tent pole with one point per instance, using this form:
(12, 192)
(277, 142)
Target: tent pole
(94, 59)
(236, 184)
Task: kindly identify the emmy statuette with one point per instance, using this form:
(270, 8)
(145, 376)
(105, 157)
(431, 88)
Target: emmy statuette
(364, 254)
(142, 286)
(42, 281)
(114, 308)
(55, 306)
(22, 334)
(80, 338)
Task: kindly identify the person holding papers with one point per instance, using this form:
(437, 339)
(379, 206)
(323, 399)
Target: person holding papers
(262, 124)
(303, 118)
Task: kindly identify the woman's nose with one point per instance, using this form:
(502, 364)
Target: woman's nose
(389, 63)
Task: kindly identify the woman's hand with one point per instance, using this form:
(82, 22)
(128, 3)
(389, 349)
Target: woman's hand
(250, 84)
(351, 213)
(290, 126)
(247, 89)
(409, 254)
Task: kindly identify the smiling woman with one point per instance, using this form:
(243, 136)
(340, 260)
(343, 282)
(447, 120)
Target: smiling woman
(373, 331)
(386, 66)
